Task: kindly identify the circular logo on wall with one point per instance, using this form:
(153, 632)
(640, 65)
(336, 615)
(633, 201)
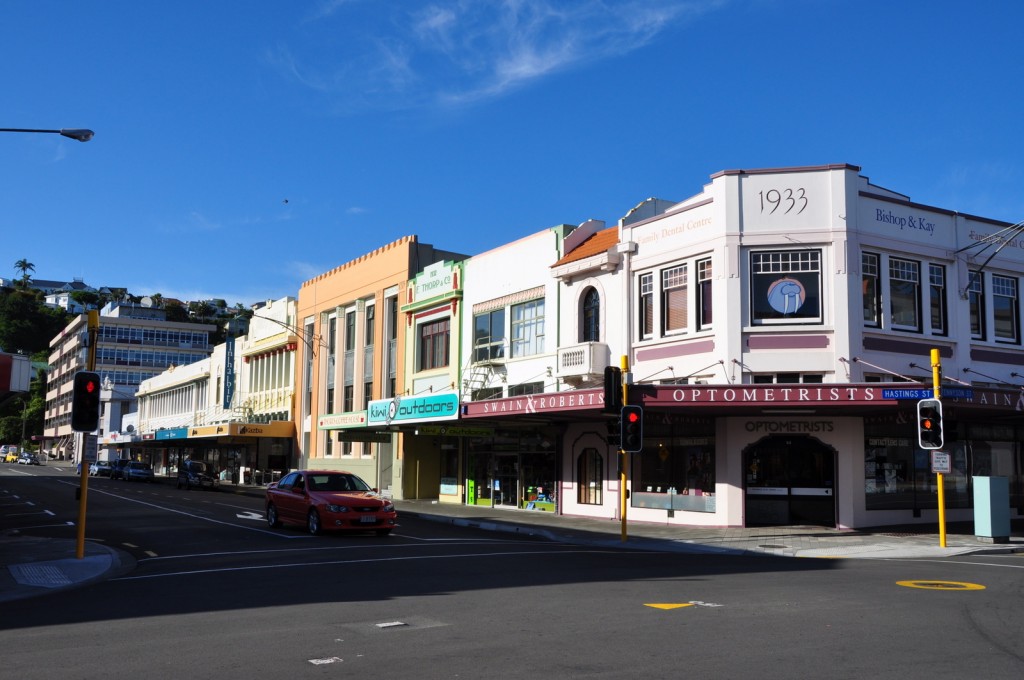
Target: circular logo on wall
(786, 296)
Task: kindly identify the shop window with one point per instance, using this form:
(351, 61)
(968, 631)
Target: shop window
(590, 477)
(591, 316)
(487, 393)
(785, 287)
(526, 388)
(678, 474)
(1005, 309)
(787, 378)
(905, 294)
(528, 328)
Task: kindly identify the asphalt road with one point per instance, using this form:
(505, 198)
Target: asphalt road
(216, 594)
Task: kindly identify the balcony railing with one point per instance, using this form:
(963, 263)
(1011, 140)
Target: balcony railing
(583, 363)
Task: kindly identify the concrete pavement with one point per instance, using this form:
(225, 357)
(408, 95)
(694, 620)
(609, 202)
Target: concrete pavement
(31, 566)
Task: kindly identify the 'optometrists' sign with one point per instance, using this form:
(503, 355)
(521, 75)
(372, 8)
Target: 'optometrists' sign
(402, 410)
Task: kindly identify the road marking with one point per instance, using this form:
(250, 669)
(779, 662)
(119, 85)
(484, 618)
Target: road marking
(250, 515)
(293, 565)
(321, 662)
(679, 605)
(941, 585)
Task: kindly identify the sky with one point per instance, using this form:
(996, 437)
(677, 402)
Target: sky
(242, 148)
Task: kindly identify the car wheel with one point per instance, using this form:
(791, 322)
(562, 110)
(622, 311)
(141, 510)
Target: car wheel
(313, 522)
(383, 532)
(272, 519)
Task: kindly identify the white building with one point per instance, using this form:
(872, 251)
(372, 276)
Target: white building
(234, 410)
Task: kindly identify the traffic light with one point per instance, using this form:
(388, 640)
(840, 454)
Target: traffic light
(929, 424)
(615, 433)
(85, 402)
(632, 432)
(612, 389)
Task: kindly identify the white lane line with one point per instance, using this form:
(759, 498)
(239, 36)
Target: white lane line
(188, 514)
(276, 551)
(293, 565)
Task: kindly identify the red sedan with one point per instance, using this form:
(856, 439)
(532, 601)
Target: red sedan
(329, 500)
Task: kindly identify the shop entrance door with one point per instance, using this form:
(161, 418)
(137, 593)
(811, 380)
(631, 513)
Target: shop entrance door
(506, 480)
(789, 480)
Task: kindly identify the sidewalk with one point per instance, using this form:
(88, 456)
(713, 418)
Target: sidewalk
(915, 541)
(31, 566)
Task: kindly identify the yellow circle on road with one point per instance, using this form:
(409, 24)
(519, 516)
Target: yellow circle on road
(941, 585)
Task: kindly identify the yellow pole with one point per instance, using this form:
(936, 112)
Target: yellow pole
(93, 326)
(623, 489)
(937, 393)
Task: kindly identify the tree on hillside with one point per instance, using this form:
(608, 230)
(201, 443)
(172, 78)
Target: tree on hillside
(200, 310)
(26, 324)
(24, 266)
(158, 300)
(86, 298)
(175, 312)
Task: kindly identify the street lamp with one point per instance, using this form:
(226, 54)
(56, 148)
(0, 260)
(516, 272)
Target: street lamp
(80, 134)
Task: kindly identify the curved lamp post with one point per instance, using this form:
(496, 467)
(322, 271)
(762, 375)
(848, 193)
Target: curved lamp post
(80, 134)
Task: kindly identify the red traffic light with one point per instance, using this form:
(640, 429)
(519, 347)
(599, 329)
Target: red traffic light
(632, 416)
(85, 402)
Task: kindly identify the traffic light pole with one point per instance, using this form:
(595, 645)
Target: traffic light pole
(623, 481)
(937, 393)
(93, 327)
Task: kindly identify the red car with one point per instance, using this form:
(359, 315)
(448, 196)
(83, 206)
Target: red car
(329, 500)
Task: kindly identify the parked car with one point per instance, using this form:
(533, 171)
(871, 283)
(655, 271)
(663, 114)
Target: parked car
(329, 500)
(195, 473)
(100, 468)
(11, 456)
(138, 471)
(27, 458)
(117, 468)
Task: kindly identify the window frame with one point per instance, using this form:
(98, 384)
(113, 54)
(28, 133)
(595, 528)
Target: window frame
(675, 292)
(590, 316)
(1001, 291)
(527, 328)
(905, 277)
(773, 274)
(434, 344)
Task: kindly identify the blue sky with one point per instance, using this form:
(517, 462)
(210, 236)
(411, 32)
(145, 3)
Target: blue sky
(242, 148)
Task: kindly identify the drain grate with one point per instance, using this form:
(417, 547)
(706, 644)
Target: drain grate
(42, 575)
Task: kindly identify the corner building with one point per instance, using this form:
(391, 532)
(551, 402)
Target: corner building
(780, 328)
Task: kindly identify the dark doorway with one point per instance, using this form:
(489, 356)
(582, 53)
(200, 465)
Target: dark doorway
(789, 480)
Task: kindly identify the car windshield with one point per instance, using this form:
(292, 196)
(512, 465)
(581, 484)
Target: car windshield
(139, 466)
(196, 466)
(336, 482)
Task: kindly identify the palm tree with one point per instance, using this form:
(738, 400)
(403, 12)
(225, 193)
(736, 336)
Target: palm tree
(24, 266)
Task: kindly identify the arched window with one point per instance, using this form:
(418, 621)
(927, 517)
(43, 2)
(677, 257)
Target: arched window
(591, 316)
(589, 477)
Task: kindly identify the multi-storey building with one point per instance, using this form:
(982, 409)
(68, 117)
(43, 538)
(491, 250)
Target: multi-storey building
(233, 410)
(352, 355)
(133, 343)
(781, 325)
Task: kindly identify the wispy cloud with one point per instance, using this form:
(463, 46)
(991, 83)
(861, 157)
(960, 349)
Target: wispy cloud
(399, 55)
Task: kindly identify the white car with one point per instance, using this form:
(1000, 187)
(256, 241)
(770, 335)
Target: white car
(27, 458)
